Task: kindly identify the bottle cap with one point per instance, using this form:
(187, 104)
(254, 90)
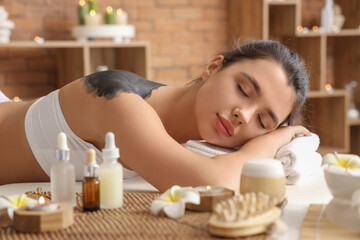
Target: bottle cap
(91, 157)
(62, 141)
(62, 151)
(110, 150)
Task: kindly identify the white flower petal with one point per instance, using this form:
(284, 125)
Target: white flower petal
(175, 210)
(173, 201)
(157, 205)
(190, 196)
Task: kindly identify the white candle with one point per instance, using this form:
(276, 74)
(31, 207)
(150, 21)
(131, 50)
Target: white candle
(39, 40)
(93, 18)
(121, 17)
(210, 189)
(42, 206)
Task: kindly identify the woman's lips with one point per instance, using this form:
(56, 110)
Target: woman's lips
(224, 126)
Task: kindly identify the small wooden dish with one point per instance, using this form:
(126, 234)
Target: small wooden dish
(252, 226)
(36, 221)
(208, 200)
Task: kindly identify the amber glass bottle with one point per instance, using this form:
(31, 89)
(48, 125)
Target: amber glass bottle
(91, 184)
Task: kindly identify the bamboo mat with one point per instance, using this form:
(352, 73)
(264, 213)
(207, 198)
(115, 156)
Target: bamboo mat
(326, 230)
(132, 221)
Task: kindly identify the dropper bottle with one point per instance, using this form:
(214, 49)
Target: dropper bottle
(90, 185)
(111, 175)
(62, 174)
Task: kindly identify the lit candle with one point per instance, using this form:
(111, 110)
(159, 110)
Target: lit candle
(16, 99)
(83, 9)
(299, 28)
(110, 16)
(315, 28)
(121, 17)
(93, 18)
(329, 88)
(39, 40)
(94, 5)
(42, 206)
(210, 189)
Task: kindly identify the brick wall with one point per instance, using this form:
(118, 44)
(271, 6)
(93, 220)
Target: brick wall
(183, 34)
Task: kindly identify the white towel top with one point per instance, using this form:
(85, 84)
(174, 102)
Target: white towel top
(3, 97)
(298, 158)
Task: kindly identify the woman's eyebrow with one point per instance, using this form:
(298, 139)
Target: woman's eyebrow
(257, 88)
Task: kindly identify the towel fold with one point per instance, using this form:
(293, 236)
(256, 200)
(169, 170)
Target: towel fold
(298, 158)
(3, 97)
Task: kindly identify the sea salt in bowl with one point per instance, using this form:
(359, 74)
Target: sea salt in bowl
(342, 174)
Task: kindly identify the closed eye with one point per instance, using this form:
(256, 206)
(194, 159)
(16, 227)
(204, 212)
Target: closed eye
(242, 91)
(260, 121)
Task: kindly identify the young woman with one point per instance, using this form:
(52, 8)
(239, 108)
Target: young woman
(249, 97)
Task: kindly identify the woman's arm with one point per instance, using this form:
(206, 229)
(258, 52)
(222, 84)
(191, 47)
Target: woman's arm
(146, 147)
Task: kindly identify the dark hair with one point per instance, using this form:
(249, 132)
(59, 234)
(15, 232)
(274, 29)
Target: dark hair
(290, 62)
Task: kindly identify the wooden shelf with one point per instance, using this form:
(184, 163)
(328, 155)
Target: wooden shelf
(325, 113)
(342, 33)
(76, 59)
(354, 122)
(282, 2)
(70, 44)
(324, 94)
(329, 149)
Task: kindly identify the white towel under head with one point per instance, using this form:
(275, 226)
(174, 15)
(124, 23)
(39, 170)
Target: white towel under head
(298, 158)
(3, 97)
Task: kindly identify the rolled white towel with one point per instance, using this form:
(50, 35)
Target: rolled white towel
(298, 158)
(305, 166)
(299, 146)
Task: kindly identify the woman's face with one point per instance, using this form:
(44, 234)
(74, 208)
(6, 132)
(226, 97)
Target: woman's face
(244, 100)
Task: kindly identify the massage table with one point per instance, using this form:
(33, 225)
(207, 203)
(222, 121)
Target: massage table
(311, 191)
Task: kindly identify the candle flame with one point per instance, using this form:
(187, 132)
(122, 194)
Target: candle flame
(41, 200)
(334, 28)
(109, 10)
(328, 87)
(36, 39)
(82, 3)
(92, 12)
(16, 99)
(119, 11)
(299, 28)
(315, 28)
(208, 187)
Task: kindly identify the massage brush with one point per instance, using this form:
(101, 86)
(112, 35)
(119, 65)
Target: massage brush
(244, 215)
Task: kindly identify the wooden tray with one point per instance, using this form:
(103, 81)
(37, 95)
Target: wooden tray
(317, 226)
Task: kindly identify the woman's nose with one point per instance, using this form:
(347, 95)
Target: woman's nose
(243, 116)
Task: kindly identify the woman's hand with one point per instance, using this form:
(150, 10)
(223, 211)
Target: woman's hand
(268, 144)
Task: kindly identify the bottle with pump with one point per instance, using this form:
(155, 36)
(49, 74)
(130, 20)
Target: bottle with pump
(111, 175)
(62, 174)
(90, 185)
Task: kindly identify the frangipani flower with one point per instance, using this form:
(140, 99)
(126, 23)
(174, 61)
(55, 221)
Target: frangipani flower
(172, 202)
(346, 161)
(15, 201)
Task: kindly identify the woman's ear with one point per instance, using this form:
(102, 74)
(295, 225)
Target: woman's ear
(212, 66)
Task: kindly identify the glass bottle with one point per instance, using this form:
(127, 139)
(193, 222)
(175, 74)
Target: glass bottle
(111, 175)
(62, 174)
(90, 184)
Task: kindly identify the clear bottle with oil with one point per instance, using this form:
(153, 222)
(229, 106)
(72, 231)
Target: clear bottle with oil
(62, 174)
(91, 184)
(111, 175)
